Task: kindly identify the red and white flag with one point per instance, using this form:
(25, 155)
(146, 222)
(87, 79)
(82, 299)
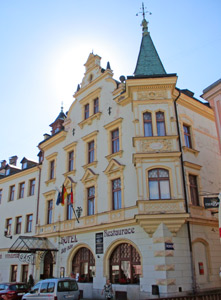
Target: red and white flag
(219, 215)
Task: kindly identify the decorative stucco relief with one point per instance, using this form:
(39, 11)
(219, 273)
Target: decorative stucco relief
(160, 145)
(150, 95)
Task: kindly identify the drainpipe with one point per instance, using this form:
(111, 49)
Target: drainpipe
(38, 197)
(185, 195)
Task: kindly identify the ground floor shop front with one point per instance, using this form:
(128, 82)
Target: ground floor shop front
(138, 265)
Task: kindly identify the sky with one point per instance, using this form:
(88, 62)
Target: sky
(44, 45)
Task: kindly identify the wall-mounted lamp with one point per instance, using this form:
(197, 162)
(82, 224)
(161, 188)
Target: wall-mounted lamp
(77, 212)
(98, 256)
(6, 234)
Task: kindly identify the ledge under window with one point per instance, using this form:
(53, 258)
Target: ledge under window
(191, 150)
(70, 173)
(89, 120)
(110, 156)
(93, 164)
(47, 182)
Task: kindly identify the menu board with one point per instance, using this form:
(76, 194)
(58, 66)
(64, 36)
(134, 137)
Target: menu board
(99, 242)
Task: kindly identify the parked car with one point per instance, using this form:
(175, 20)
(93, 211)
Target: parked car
(13, 290)
(54, 289)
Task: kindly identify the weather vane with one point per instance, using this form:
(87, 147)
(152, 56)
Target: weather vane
(143, 11)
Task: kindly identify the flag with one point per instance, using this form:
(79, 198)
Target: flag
(58, 198)
(63, 195)
(72, 197)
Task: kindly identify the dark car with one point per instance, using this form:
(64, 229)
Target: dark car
(13, 290)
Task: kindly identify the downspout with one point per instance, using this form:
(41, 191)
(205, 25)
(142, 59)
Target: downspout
(185, 194)
(38, 196)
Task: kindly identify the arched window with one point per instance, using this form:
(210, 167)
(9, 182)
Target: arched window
(147, 119)
(159, 184)
(161, 131)
(83, 264)
(125, 265)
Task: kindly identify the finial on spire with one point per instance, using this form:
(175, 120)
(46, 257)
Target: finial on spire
(62, 106)
(144, 21)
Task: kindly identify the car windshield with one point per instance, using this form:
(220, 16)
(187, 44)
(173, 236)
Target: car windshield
(18, 287)
(67, 286)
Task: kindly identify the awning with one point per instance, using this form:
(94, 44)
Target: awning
(31, 244)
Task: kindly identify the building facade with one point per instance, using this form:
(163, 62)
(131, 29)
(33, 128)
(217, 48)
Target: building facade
(133, 160)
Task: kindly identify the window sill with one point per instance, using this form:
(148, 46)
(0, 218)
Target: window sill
(93, 164)
(191, 150)
(70, 173)
(89, 120)
(110, 156)
(50, 181)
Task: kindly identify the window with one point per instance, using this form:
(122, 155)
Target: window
(187, 136)
(14, 269)
(86, 111)
(83, 263)
(29, 223)
(70, 161)
(52, 167)
(9, 226)
(0, 196)
(49, 216)
(125, 264)
(161, 131)
(21, 190)
(115, 140)
(147, 119)
(159, 185)
(194, 190)
(12, 193)
(90, 200)
(18, 225)
(96, 105)
(90, 152)
(116, 193)
(69, 208)
(32, 187)
(7, 172)
(24, 165)
(24, 273)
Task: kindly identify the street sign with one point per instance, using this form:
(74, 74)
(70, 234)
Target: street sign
(211, 202)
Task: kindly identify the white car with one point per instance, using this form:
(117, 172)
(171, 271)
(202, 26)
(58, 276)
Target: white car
(54, 289)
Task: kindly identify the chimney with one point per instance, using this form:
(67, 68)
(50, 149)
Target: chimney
(13, 160)
(2, 164)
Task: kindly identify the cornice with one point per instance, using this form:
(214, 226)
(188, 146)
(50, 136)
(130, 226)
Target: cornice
(52, 141)
(21, 173)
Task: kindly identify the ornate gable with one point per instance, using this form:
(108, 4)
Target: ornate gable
(113, 167)
(93, 69)
(89, 176)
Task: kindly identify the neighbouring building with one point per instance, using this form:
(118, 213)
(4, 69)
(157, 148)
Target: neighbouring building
(134, 160)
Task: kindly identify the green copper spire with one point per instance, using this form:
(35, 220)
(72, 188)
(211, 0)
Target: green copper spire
(148, 62)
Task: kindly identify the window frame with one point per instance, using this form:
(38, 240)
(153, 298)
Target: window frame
(110, 127)
(18, 225)
(187, 136)
(96, 105)
(147, 122)
(89, 138)
(12, 193)
(91, 151)
(14, 271)
(24, 273)
(159, 121)
(159, 179)
(116, 192)
(69, 209)
(86, 111)
(84, 256)
(71, 161)
(1, 195)
(8, 226)
(49, 211)
(194, 189)
(21, 190)
(115, 141)
(90, 199)
(52, 169)
(29, 222)
(32, 183)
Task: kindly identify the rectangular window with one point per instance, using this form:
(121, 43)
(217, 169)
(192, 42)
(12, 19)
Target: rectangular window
(52, 165)
(91, 152)
(69, 208)
(32, 187)
(9, 226)
(14, 269)
(70, 161)
(24, 273)
(160, 124)
(29, 223)
(50, 208)
(12, 193)
(18, 225)
(187, 136)
(116, 193)
(147, 119)
(115, 141)
(86, 111)
(0, 196)
(21, 190)
(96, 105)
(90, 200)
(194, 190)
